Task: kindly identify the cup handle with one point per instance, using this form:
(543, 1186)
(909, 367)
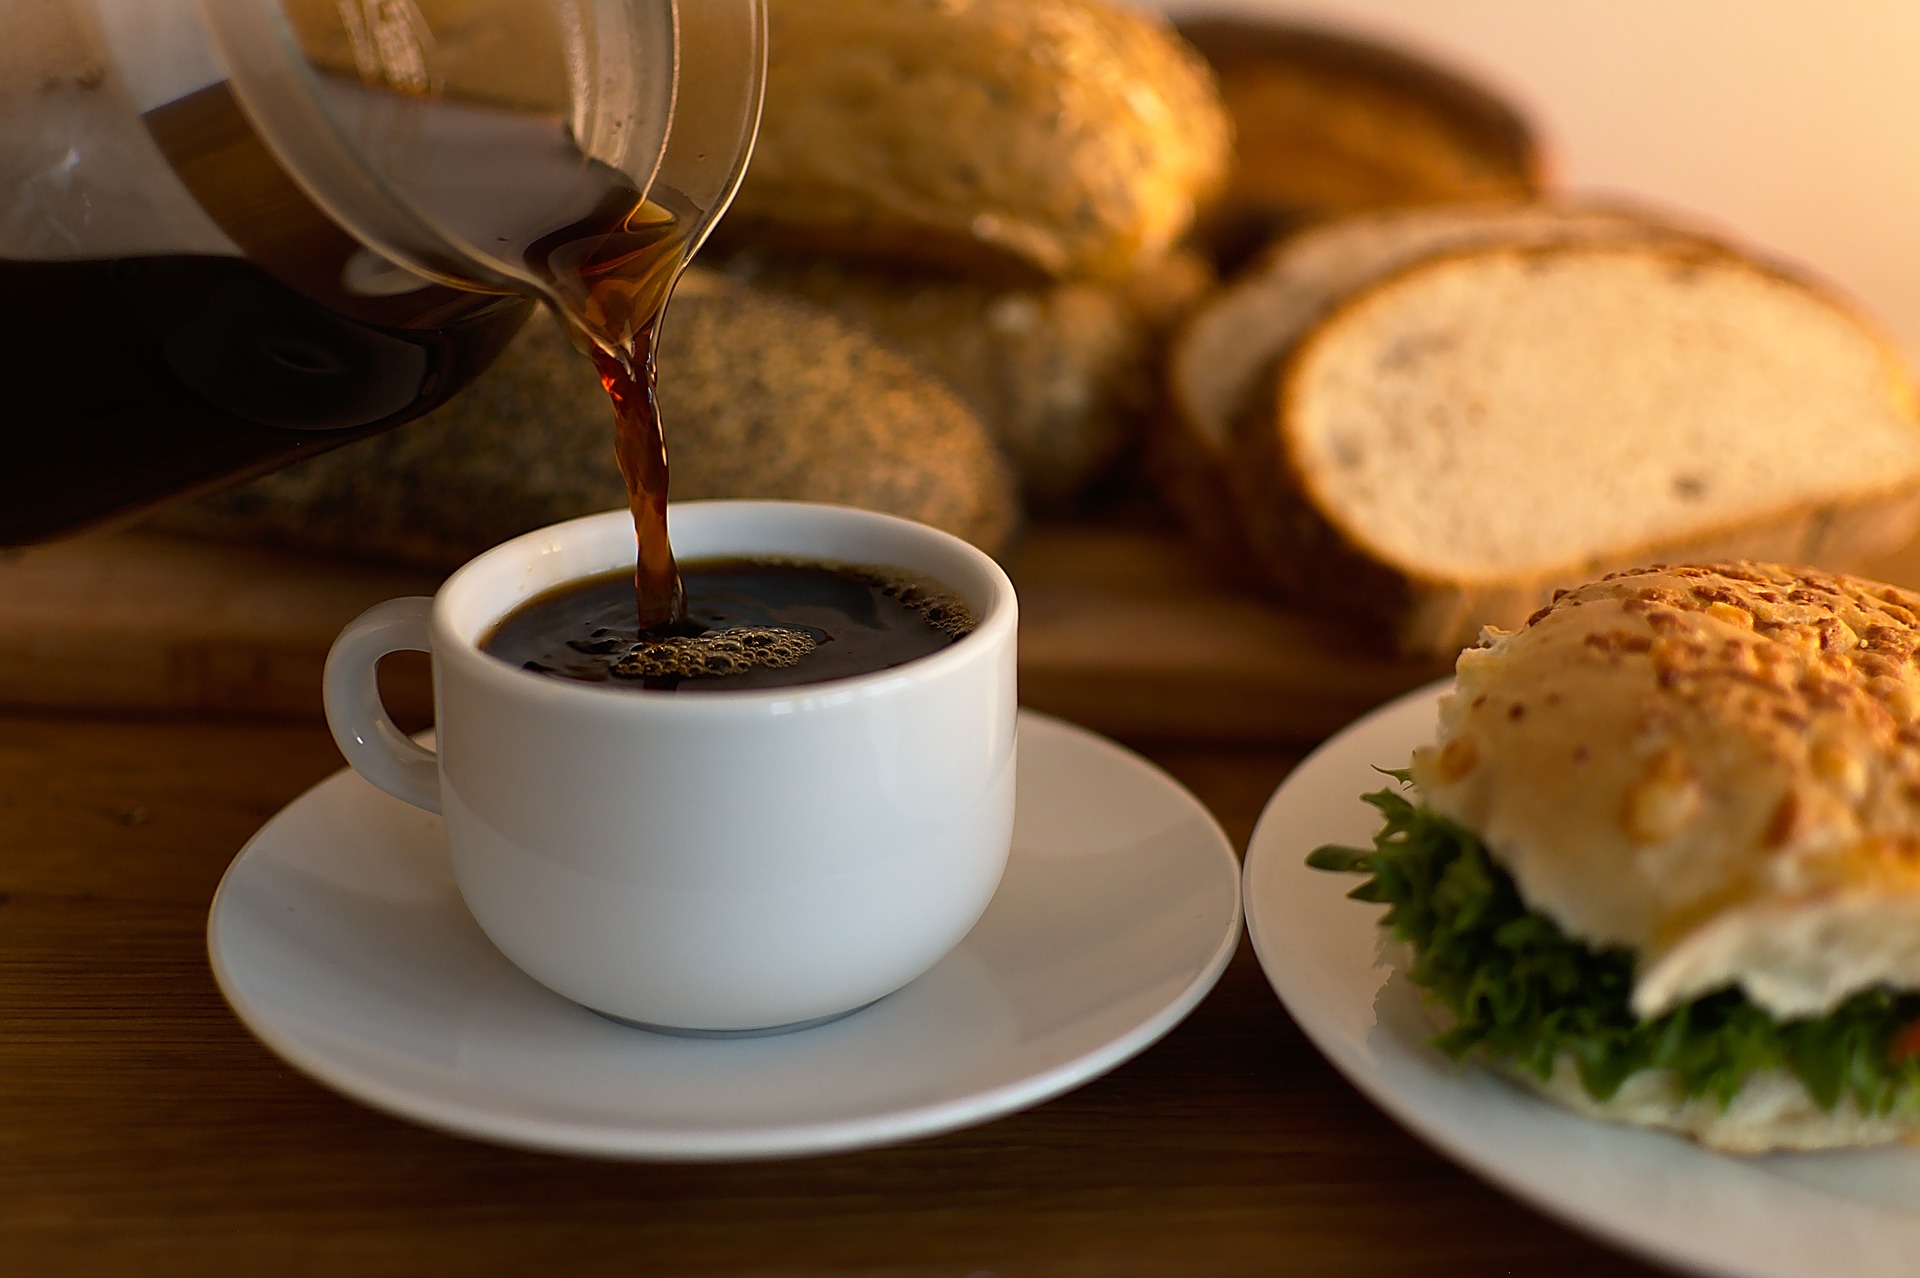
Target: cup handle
(361, 726)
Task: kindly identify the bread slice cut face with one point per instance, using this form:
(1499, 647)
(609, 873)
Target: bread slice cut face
(1483, 425)
(1218, 363)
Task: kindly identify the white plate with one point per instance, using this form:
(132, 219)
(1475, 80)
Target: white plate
(340, 940)
(1852, 1213)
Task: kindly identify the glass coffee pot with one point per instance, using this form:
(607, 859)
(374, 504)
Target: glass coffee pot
(234, 233)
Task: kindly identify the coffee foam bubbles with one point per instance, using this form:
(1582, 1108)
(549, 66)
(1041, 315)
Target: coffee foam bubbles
(739, 649)
(938, 607)
(716, 654)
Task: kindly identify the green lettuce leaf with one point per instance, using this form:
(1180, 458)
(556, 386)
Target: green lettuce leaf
(1521, 991)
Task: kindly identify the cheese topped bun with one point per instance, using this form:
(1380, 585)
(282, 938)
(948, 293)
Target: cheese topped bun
(1665, 860)
(1717, 768)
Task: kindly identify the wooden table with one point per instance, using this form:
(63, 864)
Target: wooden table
(143, 1131)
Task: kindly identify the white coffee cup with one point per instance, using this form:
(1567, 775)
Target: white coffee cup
(712, 861)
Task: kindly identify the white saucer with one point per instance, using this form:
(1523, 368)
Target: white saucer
(340, 940)
(1851, 1212)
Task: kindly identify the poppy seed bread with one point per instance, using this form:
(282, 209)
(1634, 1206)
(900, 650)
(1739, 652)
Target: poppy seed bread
(760, 396)
(1061, 373)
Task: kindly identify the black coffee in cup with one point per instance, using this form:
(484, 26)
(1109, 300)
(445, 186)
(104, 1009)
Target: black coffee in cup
(750, 623)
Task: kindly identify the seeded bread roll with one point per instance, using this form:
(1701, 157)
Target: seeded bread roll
(760, 396)
(1454, 440)
(1222, 357)
(1715, 769)
(1061, 373)
(1328, 124)
(1022, 138)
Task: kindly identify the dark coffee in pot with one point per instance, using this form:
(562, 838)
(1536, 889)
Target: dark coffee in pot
(138, 379)
(749, 624)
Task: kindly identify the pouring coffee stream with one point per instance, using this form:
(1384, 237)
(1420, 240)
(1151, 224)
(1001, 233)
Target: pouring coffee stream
(573, 231)
(640, 448)
(612, 227)
(626, 215)
(610, 282)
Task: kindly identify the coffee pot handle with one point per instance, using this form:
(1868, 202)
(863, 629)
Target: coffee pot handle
(361, 726)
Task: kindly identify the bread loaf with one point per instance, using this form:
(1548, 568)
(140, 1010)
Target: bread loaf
(1029, 139)
(1061, 373)
(1660, 859)
(1453, 440)
(760, 397)
(1329, 123)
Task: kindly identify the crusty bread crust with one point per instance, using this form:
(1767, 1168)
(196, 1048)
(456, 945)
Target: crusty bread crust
(1062, 373)
(1065, 139)
(1313, 550)
(1328, 123)
(761, 396)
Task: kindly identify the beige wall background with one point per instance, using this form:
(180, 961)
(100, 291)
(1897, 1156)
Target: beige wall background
(1794, 123)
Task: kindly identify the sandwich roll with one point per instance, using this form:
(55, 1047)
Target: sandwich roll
(1663, 859)
(1717, 768)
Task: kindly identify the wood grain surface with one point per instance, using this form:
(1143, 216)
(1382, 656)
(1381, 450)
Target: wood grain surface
(1124, 628)
(142, 1131)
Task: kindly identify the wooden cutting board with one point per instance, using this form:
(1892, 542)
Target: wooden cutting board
(1124, 628)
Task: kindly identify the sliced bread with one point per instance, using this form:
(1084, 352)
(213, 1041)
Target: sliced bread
(1456, 439)
(1221, 358)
